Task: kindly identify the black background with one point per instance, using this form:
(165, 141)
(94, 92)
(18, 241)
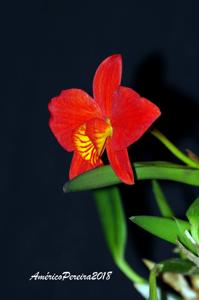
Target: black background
(48, 46)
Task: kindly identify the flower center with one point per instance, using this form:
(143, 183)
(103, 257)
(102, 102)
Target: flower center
(90, 139)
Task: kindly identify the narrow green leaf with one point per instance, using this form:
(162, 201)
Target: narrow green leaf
(193, 217)
(114, 227)
(188, 254)
(104, 176)
(193, 212)
(177, 152)
(153, 294)
(163, 228)
(112, 218)
(183, 238)
(178, 265)
(161, 200)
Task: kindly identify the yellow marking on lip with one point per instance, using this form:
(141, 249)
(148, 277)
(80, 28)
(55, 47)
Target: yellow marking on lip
(88, 149)
(85, 146)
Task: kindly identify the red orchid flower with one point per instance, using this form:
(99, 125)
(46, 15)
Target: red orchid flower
(114, 119)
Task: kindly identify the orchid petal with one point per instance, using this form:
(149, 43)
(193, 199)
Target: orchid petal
(69, 110)
(106, 81)
(131, 116)
(79, 165)
(120, 163)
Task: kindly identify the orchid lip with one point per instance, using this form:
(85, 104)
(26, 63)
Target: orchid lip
(91, 147)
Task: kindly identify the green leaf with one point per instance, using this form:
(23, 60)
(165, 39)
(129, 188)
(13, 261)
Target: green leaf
(153, 294)
(178, 265)
(188, 254)
(161, 200)
(193, 212)
(177, 152)
(163, 228)
(193, 217)
(112, 218)
(114, 227)
(104, 176)
(182, 236)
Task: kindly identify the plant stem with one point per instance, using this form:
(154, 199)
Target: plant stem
(169, 145)
(113, 221)
(161, 200)
(129, 272)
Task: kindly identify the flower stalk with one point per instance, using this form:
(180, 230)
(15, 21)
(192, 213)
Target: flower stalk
(173, 149)
(130, 273)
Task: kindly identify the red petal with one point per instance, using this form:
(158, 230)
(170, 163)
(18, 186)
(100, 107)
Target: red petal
(131, 117)
(69, 110)
(79, 165)
(106, 81)
(120, 163)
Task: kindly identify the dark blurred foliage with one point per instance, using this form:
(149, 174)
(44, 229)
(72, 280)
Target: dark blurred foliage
(47, 46)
